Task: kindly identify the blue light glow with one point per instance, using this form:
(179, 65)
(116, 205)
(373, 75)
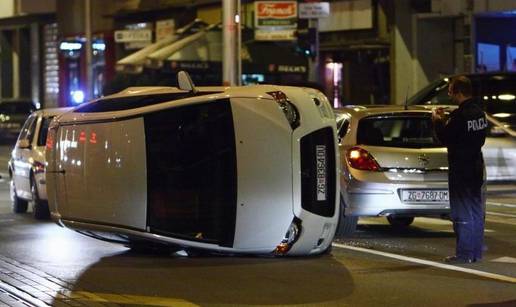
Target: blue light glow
(77, 96)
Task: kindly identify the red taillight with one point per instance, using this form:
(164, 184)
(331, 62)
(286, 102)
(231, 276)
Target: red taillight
(38, 167)
(361, 159)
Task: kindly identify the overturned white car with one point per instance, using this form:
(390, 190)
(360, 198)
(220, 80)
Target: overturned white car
(233, 170)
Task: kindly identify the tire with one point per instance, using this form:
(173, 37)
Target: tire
(19, 205)
(400, 221)
(40, 209)
(347, 224)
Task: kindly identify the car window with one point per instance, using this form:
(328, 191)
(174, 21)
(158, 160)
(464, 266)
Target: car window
(27, 130)
(43, 130)
(342, 127)
(404, 131)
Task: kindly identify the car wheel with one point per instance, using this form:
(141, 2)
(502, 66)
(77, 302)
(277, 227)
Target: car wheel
(400, 221)
(19, 205)
(40, 209)
(347, 224)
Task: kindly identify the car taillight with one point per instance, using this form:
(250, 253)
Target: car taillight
(361, 159)
(38, 167)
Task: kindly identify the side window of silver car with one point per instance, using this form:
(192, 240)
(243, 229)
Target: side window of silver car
(342, 127)
(28, 129)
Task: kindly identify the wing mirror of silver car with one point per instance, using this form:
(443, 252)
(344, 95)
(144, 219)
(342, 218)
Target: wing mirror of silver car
(23, 144)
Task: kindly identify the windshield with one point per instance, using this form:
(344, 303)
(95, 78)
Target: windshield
(406, 131)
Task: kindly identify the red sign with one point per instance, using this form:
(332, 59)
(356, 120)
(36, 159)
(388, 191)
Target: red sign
(276, 9)
(281, 14)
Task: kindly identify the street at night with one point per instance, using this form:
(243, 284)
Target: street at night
(375, 266)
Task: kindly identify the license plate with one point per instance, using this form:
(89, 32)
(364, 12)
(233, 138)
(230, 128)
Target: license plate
(320, 156)
(425, 195)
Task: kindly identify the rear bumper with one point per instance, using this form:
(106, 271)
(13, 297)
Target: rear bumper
(383, 199)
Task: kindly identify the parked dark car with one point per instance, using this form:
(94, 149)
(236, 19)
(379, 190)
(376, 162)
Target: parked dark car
(13, 114)
(497, 92)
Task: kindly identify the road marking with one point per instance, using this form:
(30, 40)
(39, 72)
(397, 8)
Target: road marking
(501, 214)
(491, 203)
(139, 300)
(505, 260)
(494, 276)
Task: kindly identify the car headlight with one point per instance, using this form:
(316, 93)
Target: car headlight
(292, 235)
(289, 109)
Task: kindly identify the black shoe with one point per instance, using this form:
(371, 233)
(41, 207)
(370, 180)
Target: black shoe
(458, 260)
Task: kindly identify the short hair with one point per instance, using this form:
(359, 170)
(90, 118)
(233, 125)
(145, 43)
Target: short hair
(461, 84)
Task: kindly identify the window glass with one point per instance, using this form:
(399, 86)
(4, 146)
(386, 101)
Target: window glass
(397, 131)
(28, 129)
(43, 130)
(342, 127)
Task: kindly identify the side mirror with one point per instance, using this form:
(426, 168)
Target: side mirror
(23, 144)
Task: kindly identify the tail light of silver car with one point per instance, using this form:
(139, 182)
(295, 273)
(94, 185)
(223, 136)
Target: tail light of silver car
(290, 110)
(38, 167)
(361, 159)
(292, 235)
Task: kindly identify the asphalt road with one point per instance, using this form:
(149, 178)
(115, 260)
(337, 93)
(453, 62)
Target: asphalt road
(377, 266)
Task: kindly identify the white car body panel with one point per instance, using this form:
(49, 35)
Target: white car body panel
(95, 196)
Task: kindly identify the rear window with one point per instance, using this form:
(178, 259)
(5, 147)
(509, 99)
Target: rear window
(408, 131)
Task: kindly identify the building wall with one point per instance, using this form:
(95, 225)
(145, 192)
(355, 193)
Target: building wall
(402, 83)
(7, 8)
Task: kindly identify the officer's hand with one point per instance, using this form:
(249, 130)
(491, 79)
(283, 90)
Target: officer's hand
(437, 114)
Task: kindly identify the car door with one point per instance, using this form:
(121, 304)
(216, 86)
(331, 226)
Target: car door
(21, 163)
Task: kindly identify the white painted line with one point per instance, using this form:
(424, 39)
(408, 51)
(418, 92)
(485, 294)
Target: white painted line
(491, 203)
(494, 276)
(500, 214)
(505, 260)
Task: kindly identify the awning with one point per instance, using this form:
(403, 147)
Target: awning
(134, 63)
(205, 52)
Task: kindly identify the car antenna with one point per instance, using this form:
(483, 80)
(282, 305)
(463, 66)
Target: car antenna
(185, 82)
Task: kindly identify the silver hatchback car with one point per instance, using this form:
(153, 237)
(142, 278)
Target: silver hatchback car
(27, 164)
(392, 165)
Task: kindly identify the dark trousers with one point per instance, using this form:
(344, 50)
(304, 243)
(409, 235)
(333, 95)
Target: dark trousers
(467, 214)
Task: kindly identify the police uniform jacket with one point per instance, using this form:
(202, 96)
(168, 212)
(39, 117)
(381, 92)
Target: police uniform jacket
(464, 135)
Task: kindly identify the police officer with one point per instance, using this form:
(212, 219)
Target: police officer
(464, 135)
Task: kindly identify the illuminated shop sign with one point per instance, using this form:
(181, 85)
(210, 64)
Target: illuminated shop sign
(275, 20)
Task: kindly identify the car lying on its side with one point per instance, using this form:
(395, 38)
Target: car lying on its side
(392, 165)
(249, 170)
(497, 93)
(27, 164)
